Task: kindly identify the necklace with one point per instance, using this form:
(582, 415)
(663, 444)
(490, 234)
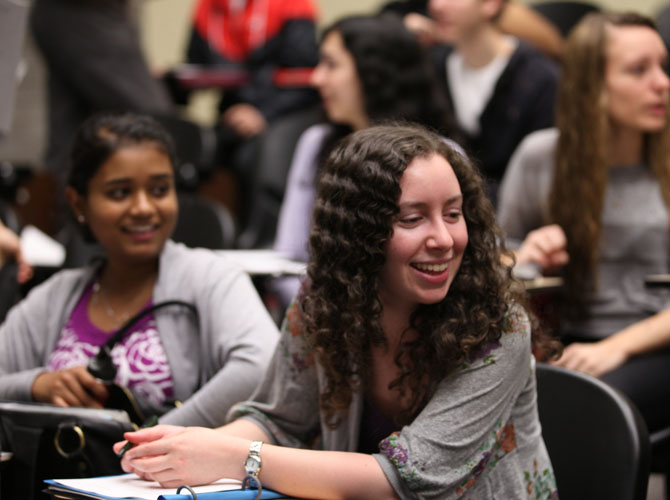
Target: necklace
(99, 297)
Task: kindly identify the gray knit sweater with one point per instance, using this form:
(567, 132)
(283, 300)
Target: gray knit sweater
(478, 437)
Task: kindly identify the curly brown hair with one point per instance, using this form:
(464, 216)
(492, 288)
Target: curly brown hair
(357, 203)
(581, 154)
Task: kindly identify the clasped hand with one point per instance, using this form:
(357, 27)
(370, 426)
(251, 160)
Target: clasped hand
(173, 455)
(70, 387)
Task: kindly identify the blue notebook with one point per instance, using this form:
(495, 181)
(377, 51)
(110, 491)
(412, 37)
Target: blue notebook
(131, 487)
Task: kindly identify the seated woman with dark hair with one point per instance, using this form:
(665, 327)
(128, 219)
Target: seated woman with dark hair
(371, 70)
(122, 192)
(405, 366)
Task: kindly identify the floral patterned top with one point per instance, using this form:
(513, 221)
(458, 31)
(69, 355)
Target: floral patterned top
(478, 437)
(139, 357)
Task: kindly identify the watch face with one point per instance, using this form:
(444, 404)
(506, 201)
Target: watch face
(252, 464)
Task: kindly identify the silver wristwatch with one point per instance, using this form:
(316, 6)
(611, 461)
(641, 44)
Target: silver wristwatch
(253, 463)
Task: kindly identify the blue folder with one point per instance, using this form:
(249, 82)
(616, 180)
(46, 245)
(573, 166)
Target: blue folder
(78, 494)
(226, 495)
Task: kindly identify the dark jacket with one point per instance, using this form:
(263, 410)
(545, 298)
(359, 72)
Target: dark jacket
(522, 102)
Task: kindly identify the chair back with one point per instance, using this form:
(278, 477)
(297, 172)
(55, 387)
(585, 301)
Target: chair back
(660, 456)
(596, 439)
(203, 223)
(273, 163)
(195, 146)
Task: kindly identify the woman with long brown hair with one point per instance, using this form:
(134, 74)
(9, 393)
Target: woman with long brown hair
(591, 197)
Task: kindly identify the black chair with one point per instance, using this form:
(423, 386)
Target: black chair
(564, 14)
(273, 162)
(203, 223)
(596, 439)
(660, 456)
(660, 439)
(195, 147)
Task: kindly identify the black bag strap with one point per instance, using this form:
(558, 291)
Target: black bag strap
(101, 365)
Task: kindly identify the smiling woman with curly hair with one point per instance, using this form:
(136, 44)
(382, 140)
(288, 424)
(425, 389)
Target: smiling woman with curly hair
(354, 221)
(405, 367)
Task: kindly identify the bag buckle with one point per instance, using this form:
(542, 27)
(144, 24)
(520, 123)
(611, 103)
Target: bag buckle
(69, 439)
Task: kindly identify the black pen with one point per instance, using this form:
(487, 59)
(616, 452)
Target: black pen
(150, 422)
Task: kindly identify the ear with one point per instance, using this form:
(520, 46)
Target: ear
(76, 201)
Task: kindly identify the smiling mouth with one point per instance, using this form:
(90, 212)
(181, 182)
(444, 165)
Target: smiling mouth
(431, 268)
(146, 228)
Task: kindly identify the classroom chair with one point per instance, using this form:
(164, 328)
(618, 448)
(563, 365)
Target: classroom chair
(596, 439)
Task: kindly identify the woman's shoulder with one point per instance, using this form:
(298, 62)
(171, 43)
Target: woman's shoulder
(179, 260)
(536, 151)
(540, 142)
(516, 322)
(67, 278)
(56, 291)
(514, 340)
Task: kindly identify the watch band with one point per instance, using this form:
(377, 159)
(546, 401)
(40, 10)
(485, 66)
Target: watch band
(252, 464)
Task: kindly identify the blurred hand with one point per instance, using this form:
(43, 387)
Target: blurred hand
(545, 246)
(244, 119)
(70, 387)
(594, 359)
(184, 455)
(10, 247)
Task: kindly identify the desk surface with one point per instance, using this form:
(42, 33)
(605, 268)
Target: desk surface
(265, 262)
(543, 284)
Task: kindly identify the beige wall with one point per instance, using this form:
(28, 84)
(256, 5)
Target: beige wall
(164, 23)
(164, 26)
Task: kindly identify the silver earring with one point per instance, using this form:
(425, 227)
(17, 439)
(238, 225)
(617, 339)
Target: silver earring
(81, 219)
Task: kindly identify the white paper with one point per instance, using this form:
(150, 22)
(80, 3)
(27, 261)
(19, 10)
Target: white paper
(39, 249)
(265, 262)
(131, 486)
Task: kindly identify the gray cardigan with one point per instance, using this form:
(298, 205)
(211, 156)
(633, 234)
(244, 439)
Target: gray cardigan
(214, 363)
(478, 437)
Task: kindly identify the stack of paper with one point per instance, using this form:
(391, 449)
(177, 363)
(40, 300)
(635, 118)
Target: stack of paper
(131, 487)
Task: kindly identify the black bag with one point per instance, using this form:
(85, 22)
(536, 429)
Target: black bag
(49, 442)
(102, 367)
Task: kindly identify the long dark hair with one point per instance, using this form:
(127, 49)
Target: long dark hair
(356, 205)
(397, 78)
